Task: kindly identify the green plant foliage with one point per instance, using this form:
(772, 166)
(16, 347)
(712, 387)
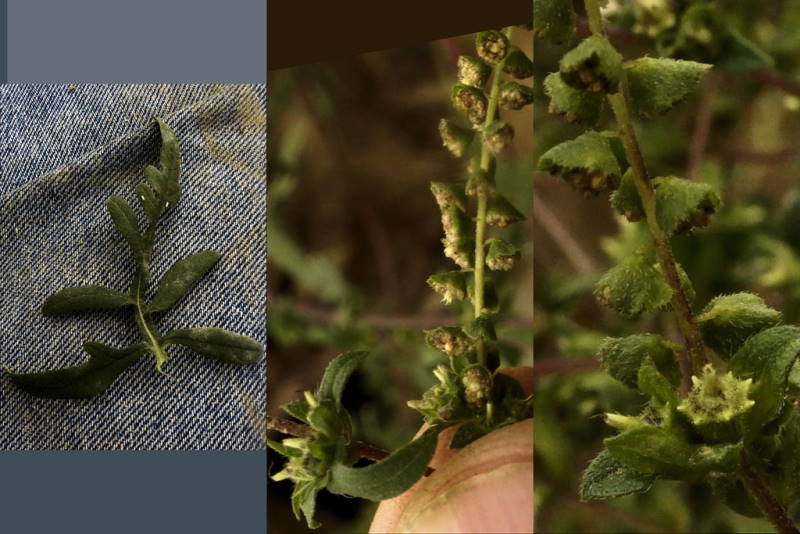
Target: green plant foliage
(575, 105)
(105, 364)
(633, 286)
(622, 357)
(716, 397)
(586, 163)
(553, 20)
(682, 205)
(594, 65)
(729, 320)
(659, 84)
(626, 198)
(606, 478)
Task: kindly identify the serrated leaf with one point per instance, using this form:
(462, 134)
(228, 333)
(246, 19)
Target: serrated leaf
(606, 478)
(653, 383)
(127, 224)
(633, 286)
(594, 65)
(682, 204)
(767, 358)
(181, 277)
(84, 298)
(729, 320)
(553, 20)
(626, 199)
(652, 449)
(389, 477)
(218, 344)
(575, 105)
(622, 357)
(82, 381)
(659, 84)
(337, 374)
(587, 163)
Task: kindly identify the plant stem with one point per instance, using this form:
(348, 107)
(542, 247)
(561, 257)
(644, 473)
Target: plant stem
(620, 104)
(766, 501)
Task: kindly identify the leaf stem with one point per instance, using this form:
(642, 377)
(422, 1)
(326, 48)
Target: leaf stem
(620, 104)
(766, 501)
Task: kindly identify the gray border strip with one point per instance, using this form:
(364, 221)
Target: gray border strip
(4, 41)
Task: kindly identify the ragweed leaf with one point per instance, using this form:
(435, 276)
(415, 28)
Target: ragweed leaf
(181, 277)
(218, 344)
(606, 478)
(553, 20)
(149, 202)
(652, 449)
(92, 378)
(659, 84)
(587, 163)
(626, 199)
(337, 374)
(634, 286)
(729, 320)
(594, 65)
(575, 105)
(85, 298)
(389, 477)
(128, 225)
(623, 357)
(170, 160)
(682, 205)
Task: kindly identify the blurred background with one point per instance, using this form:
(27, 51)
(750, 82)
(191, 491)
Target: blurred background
(353, 232)
(739, 132)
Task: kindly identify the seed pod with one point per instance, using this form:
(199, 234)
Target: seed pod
(497, 136)
(502, 255)
(450, 285)
(449, 194)
(456, 138)
(594, 65)
(450, 340)
(500, 212)
(469, 101)
(513, 95)
(517, 64)
(477, 384)
(492, 46)
(472, 71)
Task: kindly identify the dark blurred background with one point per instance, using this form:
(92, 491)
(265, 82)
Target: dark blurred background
(353, 232)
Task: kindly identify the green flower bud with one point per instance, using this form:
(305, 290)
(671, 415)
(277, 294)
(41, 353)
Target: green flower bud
(477, 384)
(594, 65)
(469, 101)
(450, 340)
(500, 212)
(472, 71)
(442, 402)
(716, 398)
(513, 95)
(497, 136)
(456, 138)
(450, 285)
(623, 422)
(449, 194)
(517, 64)
(492, 46)
(502, 255)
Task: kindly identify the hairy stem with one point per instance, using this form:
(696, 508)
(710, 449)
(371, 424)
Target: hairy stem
(766, 501)
(620, 104)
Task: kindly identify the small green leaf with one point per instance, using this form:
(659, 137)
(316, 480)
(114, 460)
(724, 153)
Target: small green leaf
(767, 358)
(729, 488)
(84, 298)
(297, 409)
(553, 20)
(337, 374)
(517, 64)
(455, 138)
(451, 285)
(682, 205)
(218, 344)
(170, 160)
(626, 199)
(659, 84)
(467, 433)
(594, 65)
(729, 320)
(587, 163)
(82, 381)
(501, 254)
(652, 449)
(389, 477)
(652, 382)
(724, 458)
(606, 478)
(634, 286)
(500, 212)
(304, 499)
(181, 277)
(149, 202)
(126, 222)
(575, 105)
(623, 357)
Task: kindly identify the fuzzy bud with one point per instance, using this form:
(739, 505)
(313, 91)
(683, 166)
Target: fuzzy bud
(500, 212)
(450, 340)
(716, 398)
(497, 136)
(469, 101)
(456, 138)
(517, 64)
(594, 65)
(458, 243)
(479, 182)
(513, 95)
(449, 194)
(442, 402)
(450, 285)
(472, 71)
(492, 46)
(477, 384)
(502, 255)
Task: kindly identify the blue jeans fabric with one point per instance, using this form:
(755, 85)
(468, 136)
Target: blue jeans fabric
(62, 154)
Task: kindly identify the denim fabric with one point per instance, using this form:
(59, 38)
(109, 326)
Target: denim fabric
(62, 154)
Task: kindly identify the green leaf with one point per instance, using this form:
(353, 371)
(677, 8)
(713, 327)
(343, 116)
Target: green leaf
(467, 433)
(297, 409)
(128, 225)
(652, 382)
(501, 254)
(500, 212)
(606, 478)
(181, 277)
(553, 20)
(729, 488)
(594, 65)
(149, 202)
(626, 199)
(218, 344)
(517, 64)
(623, 357)
(84, 298)
(587, 163)
(633, 286)
(652, 449)
(389, 477)
(170, 160)
(337, 374)
(767, 358)
(724, 458)
(788, 460)
(575, 105)
(304, 499)
(82, 381)
(729, 320)
(659, 84)
(682, 205)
